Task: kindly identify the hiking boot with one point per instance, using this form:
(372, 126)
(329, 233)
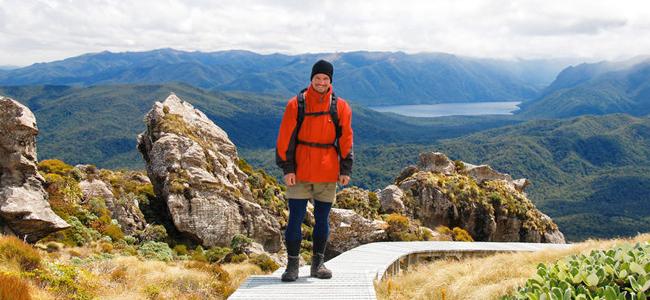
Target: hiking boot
(291, 273)
(318, 268)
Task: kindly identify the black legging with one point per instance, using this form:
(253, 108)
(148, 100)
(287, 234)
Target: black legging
(293, 235)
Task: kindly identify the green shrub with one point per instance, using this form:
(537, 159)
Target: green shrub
(156, 250)
(180, 250)
(78, 234)
(398, 222)
(362, 202)
(237, 258)
(401, 229)
(14, 250)
(106, 247)
(265, 263)
(619, 273)
(54, 166)
(461, 235)
(199, 254)
(156, 233)
(130, 240)
(130, 250)
(65, 280)
(239, 243)
(53, 247)
(216, 254)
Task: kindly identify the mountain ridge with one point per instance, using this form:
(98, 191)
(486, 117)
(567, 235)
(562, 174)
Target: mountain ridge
(369, 78)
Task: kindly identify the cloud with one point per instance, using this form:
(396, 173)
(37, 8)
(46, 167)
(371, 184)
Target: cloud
(44, 30)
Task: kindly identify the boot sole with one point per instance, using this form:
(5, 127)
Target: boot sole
(288, 279)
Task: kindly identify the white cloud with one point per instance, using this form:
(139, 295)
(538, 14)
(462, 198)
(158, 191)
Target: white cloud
(33, 31)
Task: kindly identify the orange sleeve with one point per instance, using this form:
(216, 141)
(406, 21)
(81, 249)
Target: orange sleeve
(346, 139)
(285, 145)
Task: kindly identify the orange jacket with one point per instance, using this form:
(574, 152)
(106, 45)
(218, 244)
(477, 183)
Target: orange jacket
(310, 163)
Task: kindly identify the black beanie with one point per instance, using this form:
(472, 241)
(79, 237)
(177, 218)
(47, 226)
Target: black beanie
(323, 67)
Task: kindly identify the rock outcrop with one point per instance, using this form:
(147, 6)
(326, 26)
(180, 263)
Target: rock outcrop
(391, 199)
(349, 230)
(193, 167)
(24, 209)
(490, 205)
(125, 210)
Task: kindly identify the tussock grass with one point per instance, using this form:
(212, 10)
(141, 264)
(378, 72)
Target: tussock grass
(16, 255)
(481, 278)
(13, 288)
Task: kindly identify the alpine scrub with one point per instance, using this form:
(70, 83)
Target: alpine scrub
(619, 273)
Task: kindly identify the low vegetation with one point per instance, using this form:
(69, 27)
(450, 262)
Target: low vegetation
(617, 273)
(507, 274)
(96, 258)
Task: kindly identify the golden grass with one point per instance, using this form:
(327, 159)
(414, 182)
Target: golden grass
(14, 252)
(120, 277)
(481, 278)
(13, 288)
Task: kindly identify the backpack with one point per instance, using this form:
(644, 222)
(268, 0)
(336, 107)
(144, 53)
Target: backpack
(333, 114)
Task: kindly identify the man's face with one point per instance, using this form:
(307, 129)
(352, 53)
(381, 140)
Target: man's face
(320, 82)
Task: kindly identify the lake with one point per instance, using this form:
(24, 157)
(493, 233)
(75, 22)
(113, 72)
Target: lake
(451, 109)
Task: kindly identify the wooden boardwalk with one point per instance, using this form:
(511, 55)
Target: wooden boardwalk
(355, 271)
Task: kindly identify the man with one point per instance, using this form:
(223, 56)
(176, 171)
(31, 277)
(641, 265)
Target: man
(314, 150)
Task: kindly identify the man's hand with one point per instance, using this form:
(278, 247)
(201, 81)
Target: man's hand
(344, 180)
(290, 179)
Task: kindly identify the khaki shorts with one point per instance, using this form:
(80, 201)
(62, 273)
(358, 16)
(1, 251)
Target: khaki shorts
(321, 191)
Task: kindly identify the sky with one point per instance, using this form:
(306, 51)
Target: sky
(34, 31)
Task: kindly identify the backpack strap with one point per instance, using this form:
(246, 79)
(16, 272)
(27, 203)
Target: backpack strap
(333, 112)
(301, 110)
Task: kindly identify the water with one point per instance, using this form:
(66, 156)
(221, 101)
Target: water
(451, 109)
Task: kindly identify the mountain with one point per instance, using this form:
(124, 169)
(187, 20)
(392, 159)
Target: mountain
(597, 89)
(7, 67)
(369, 78)
(99, 124)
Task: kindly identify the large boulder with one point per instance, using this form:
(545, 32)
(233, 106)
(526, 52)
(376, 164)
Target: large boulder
(436, 162)
(391, 199)
(484, 173)
(193, 167)
(24, 209)
(349, 230)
